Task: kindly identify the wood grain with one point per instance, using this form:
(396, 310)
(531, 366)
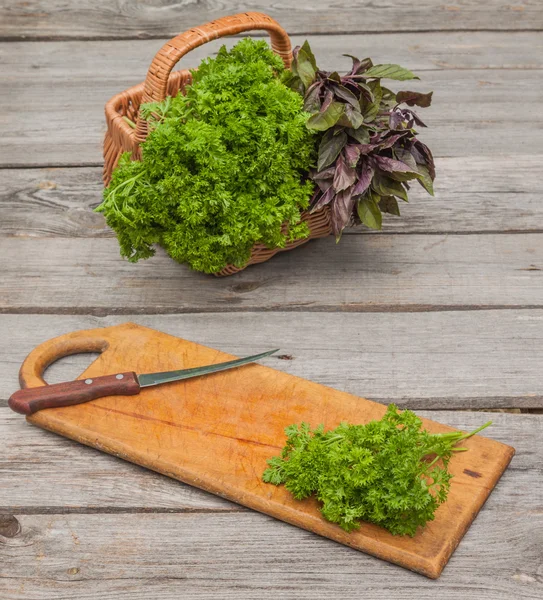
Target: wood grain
(245, 556)
(216, 433)
(54, 19)
(373, 272)
(471, 195)
(41, 472)
(469, 104)
(441, 360)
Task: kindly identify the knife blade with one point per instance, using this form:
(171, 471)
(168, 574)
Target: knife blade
(30, 400)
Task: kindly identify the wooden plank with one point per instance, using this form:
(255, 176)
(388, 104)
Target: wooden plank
(44, 473)
(52, 202)
(374, 272)
(433, 360)
(54, 19)
(58, 202)
(73, 80)
(247, 555)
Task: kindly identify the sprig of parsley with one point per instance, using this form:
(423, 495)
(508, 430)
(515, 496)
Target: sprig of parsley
(388, 472)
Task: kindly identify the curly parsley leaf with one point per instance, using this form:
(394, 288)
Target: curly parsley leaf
(389, 472)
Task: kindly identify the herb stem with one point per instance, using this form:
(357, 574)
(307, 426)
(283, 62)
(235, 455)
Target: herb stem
(129, 122)
(467, 435)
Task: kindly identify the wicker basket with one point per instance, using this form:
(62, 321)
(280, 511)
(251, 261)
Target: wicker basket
(161, 82)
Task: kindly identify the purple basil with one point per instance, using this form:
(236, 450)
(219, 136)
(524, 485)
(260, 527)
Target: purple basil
(368, 149)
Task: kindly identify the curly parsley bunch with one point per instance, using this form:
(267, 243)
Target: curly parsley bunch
(222, 169)
(388, 472)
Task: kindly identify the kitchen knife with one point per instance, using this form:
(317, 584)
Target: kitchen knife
(30, 400)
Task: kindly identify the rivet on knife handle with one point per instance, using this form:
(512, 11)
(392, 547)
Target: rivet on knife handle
(30, 400)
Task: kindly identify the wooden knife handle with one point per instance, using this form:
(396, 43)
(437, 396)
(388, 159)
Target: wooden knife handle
(30, 400)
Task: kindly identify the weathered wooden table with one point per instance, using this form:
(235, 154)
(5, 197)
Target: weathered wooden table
(442, 312)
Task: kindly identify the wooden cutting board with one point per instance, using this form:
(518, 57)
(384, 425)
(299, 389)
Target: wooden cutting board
(216, 433)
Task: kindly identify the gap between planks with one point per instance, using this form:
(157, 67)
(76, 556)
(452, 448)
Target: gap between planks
(256, 34)
(101, 312)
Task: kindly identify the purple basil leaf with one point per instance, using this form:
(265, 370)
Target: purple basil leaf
(342, 92)
(417, 120)
(324, 199)
(406, 157)
(342, 210)
(414, 98)
(359, 66)
(344, 176)
(365, 64)
(428, 158)
(420, 158)
(389, 141)
(352, 154)
(329, 96)
(391, 165)
(364, 179)
(356, 63)
(326, 174)
(324, 184)
(312, 103)
(367, 148)
(330, 147)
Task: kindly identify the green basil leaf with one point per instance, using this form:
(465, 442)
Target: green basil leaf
(389, 204)
(366, 91)
(361, 135)
(385, 186)
(351, 118)
(326, 119)
(404, 176)
(305, 69)
(330, 147)
(309, 53)
(369, 212)
(425, 180)
(372, 109)
(406, 157)
(390, 72)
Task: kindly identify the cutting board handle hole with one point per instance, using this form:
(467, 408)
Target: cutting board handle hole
(69, 367)
(63, 358)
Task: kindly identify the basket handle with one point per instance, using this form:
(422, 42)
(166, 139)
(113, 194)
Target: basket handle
(156, 82)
